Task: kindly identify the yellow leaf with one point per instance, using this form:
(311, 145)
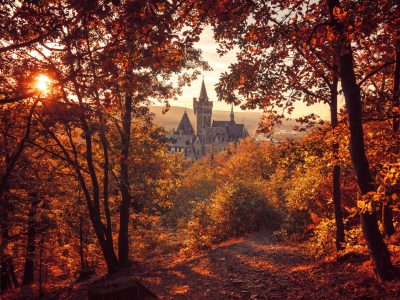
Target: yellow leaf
(361, 204)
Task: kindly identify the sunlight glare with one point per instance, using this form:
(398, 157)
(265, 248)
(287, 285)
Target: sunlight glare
(43, 83)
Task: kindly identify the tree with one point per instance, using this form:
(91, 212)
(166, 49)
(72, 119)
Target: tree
(352, 93)
(272, 74)
(105, 64)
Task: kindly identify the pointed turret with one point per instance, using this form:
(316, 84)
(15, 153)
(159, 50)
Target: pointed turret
(202, 109)
(203, 93)
(232, 114)
(185, 127)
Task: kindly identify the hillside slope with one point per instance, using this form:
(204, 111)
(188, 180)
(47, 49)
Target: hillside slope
(251, 119)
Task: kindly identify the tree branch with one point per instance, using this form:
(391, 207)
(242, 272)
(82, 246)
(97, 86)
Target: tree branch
(29, 42)
(327, 64)
(15, 99)
(372, 73)
(19, 151)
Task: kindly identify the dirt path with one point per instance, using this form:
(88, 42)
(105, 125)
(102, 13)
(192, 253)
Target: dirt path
(256, 267)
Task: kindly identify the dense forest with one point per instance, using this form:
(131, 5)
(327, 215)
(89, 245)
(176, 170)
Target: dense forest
(93, 205)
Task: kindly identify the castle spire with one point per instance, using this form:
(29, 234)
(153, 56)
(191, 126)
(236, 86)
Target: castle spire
(203, 92)
(232, 114)
(203, 110)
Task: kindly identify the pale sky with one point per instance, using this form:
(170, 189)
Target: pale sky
(220, 64)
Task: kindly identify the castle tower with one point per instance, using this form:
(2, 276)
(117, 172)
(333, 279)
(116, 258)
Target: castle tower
(202, 109)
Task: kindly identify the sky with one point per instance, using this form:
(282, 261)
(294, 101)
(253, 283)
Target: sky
(221, 64)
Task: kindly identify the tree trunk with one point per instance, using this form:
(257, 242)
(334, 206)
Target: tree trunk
(11, 270)
(336, 194)
(106, 247)
(30, 246)
(104, 143)
(378, 251)
(387, 221)
(377, 248)
(5, 281)
(94, 207)
(41, 291)
(7, 272)
(123, 239)
(338, 208)
(82, 257)
(85, 270)
(93, 204)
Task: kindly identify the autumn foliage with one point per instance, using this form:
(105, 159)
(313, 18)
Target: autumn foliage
(87, 185)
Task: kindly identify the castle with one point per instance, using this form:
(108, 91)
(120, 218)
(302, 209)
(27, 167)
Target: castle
(210, 136)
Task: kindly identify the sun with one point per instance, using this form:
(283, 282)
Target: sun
(42, 83)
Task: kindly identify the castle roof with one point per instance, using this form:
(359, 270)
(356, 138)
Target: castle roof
(236, 132)
(185, 126)
(233, 131)
(203, 92)
(182, 140)
(221, 123)
(211, 133)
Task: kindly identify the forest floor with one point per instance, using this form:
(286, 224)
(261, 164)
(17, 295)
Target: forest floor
(254, 267)
(257, 267)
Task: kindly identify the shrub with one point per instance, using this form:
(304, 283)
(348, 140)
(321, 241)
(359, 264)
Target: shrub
(197, 230)
(239, 208)
(323, 241)
(234, 209)
(297, 222)
(309, 189)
